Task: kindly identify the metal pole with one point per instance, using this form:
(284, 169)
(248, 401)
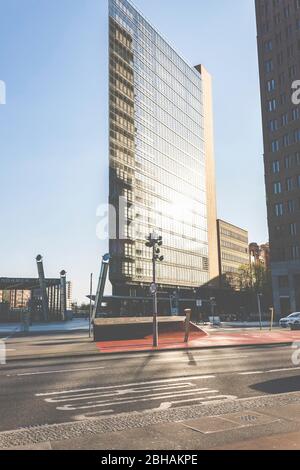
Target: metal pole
(63, 295)
(259, 310)
(272, 318)
(91, 309)
(155, 326)
(45, 302)
(188, 313)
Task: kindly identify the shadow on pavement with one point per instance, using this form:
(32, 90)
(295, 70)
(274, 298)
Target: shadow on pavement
(282, 385)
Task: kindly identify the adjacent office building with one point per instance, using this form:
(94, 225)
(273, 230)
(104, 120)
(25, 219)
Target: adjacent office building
(278, 29)
(259, 255)
(162, 176)
(233, 253)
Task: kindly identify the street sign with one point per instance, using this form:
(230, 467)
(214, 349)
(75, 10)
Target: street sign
(199, 303)
(153, 288)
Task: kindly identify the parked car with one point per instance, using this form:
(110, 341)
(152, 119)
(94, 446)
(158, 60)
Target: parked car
(290, 320)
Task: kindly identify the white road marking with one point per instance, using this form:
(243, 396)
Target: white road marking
(60, 371)
(105, 403)
(105, 387)
(107, 399)
(216, 399)
(114, 393)
(270, 371)
(198, 358)
(112, 396)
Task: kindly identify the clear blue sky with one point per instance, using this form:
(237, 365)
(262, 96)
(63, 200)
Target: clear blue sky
(53, 129)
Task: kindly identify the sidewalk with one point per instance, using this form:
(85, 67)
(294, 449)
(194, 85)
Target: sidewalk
(74, 343)
(54, 327)
(214, 339)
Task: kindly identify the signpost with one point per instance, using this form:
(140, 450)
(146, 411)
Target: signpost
(154, 241)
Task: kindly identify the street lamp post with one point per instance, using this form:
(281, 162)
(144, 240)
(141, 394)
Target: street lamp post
(154, 241)
(259, 309)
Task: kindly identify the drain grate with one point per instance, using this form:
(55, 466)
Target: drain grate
(248, 418)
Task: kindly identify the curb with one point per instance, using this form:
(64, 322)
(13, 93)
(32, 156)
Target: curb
(133, 353)
(198, 348)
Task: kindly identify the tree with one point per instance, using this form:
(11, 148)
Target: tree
(256, 279)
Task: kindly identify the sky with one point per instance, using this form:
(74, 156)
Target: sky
(54, 126)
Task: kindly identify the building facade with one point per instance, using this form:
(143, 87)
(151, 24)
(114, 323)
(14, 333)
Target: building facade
(278, 30)
(233, 253)
(161, 159)
(260, 254)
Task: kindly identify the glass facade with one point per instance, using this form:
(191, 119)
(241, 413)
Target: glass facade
(157, 156)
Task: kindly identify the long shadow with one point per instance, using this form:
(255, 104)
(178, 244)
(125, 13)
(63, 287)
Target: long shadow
(192, 360)
(144, 364)
(282, 385)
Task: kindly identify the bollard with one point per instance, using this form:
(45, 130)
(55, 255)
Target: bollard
(188, 314)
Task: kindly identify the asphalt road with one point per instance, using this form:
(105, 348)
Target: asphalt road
(37, 392)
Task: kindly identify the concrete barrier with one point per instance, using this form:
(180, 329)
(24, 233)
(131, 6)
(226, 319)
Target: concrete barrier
(116, 329)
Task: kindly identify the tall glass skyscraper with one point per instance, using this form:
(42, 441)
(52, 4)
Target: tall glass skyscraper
(161, 159)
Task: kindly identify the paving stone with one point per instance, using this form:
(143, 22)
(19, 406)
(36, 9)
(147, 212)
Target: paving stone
(210, 425)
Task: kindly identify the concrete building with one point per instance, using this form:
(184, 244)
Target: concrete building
(260, 254)
(162, 175)
(233, 253)
(278, 30)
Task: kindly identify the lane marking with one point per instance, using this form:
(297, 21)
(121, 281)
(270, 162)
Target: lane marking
(270, 371)
(216, 399)
(196, 359)
(154, 397)
(182, 379)
(60, 371)
(114, 393)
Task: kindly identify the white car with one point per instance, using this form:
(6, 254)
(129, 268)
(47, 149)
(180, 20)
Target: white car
(290, 320)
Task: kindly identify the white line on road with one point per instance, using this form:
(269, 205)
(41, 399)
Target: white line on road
(270, 371)
(216, 399)
(182, 379)
(55, 371)
(101, 404)
(114, 396)
(196, 359)
(115, 393)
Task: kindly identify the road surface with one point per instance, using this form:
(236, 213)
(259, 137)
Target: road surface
(39, 392)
